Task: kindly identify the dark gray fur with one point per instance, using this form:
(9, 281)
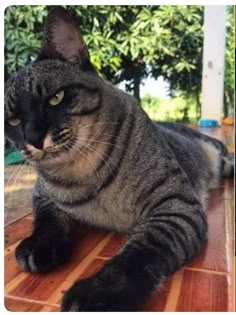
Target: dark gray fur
(152, 185)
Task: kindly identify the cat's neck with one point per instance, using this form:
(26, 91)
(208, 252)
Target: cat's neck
(76, 167)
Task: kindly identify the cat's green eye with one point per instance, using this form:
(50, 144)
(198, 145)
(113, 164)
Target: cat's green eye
(55, 100)
(14, 121)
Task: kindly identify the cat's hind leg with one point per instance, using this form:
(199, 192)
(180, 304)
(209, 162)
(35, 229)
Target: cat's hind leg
(227, 166)
(221, 163)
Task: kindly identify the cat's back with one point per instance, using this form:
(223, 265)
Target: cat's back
(185, 145)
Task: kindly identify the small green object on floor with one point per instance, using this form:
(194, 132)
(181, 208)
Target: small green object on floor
(12, 156)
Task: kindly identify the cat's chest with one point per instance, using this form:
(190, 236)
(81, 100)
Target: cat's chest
(106, 209)
(97, 214)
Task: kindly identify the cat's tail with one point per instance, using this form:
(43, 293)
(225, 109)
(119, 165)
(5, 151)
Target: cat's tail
(227, 165)
(221, 162)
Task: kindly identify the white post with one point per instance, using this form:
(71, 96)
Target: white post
(213, 62)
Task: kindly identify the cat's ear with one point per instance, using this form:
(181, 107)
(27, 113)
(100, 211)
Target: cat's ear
(62, 39)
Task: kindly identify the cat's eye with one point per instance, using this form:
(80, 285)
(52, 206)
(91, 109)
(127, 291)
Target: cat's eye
(14, 121)
(55, 100)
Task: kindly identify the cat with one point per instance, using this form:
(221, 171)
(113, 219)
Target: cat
(102, 162)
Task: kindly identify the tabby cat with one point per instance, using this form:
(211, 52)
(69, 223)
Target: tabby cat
(102, 162)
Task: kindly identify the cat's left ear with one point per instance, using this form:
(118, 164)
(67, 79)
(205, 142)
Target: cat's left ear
(63, 40)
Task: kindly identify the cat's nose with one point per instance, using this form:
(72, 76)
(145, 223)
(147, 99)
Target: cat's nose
(36, 140)
(34, 136)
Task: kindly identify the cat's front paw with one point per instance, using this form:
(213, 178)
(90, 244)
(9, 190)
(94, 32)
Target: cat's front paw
(100, 294)
(35, 254)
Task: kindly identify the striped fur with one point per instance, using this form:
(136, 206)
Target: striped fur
(102, 162)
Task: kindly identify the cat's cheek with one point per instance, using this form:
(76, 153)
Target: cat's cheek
(15, 137)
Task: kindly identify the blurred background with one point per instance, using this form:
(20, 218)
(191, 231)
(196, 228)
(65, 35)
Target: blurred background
(152, 52)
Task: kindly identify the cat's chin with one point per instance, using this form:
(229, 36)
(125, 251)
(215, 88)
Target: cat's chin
(55, 158)
(45, 157)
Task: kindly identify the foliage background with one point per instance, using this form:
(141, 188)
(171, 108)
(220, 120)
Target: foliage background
(130, 43)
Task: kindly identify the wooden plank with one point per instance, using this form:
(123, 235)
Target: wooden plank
(213, 256)
(203, 292)
(19, 181)
(75, 274)
(113, 246)
(174, 293)
(13, 304)
(158, 300)
(17, 231)
(42, 286)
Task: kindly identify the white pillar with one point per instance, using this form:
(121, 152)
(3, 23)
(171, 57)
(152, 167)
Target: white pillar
(213, 62)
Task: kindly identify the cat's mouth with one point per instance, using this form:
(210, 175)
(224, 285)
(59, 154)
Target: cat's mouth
(53, 147)
(33, 154)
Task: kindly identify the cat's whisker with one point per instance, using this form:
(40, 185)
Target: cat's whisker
(101, 123)
(22, 169)
(93, 149)
(14, 184)
(14, 172)
(52, 172)
(103, 142)
(78, 150)
(30, 168)
(15, 175)
(102, 134)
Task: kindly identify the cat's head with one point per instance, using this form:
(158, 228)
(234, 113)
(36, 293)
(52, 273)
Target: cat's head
(49, 101)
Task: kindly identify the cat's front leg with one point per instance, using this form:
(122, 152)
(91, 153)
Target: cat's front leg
(158, 245)
(50, 243)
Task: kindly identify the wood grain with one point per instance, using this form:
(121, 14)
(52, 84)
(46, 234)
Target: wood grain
(17, 231)
(12, 304)
(158, 299)
(113, 246)
(203, 292)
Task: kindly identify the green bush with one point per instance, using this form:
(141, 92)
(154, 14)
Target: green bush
(129, 43)
(174, 109)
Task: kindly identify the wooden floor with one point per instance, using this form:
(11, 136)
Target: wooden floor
(206, 284)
